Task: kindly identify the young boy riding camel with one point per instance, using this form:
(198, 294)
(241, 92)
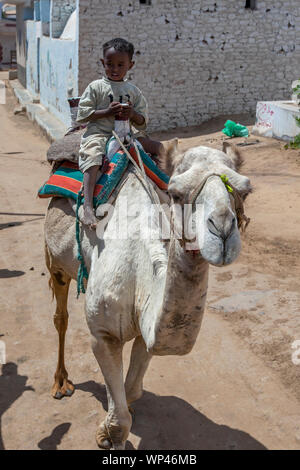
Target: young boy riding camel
(101, 103)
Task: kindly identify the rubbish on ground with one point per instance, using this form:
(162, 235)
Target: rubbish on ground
(252, 142)
(232, 129)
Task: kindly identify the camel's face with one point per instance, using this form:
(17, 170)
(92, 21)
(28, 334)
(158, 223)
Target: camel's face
(217, 231)
(213, 220)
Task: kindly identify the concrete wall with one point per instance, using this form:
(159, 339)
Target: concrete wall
(59, 76)
(51, 69)
(33, 32)
(23, 14)
(197, 59)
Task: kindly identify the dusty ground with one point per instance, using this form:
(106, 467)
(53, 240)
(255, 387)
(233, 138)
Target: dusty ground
(237, 389)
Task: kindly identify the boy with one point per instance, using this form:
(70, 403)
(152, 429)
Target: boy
(99, 105)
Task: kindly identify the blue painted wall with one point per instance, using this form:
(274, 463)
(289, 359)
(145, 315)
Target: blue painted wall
(53, 76)
(28, 13)
(45, 11)
(32, 70)
(59, 76)
(37, 11)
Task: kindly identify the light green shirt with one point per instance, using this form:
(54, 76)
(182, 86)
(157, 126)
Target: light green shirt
(99, 94)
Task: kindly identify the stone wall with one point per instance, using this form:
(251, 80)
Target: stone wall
(199, 58)
(60, 13)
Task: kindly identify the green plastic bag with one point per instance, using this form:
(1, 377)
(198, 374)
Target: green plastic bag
(232, 129)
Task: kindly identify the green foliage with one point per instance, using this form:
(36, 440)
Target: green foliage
(295, 144)
(297, 90)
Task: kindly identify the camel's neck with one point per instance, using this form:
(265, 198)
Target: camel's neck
(186, 279)
(180, 306)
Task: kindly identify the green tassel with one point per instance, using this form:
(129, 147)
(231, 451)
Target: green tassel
(82, 271)
(224, 178)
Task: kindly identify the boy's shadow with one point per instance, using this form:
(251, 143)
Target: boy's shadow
(172, 423)
(51, 442)
(12, 386)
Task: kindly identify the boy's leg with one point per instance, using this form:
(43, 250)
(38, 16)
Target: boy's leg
(152, 146)
(89, 181)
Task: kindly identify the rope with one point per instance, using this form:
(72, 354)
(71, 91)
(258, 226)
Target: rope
(139, 170)
(82, 271)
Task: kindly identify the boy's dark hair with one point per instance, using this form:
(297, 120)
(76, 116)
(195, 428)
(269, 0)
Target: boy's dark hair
(120, 45)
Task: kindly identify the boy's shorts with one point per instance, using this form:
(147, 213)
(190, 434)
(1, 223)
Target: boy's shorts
(92, 151)
(93, 147)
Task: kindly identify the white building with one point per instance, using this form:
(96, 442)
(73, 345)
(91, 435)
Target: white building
(7, 36)
(195, 59)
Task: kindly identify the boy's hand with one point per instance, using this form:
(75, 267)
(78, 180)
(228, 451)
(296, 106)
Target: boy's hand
(114, 108)
(126, 111)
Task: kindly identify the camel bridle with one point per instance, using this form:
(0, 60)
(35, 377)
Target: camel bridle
(237, 205)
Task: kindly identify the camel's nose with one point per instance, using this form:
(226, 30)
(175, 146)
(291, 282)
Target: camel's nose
(221, 222)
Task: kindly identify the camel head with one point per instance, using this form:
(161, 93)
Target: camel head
(205, 184)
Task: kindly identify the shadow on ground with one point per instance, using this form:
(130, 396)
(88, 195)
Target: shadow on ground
(173, 424)
(7, 273)
(51, 442)
(17, 224)
(12, 386)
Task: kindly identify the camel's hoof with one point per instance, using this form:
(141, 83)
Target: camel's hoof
(66, 390)
(102, 437)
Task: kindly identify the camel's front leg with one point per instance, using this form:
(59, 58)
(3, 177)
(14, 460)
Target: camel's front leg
(139, 362)
(114, 431)
(60, 285)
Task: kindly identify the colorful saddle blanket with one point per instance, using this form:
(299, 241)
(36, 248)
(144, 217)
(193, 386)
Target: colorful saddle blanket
(67, 180)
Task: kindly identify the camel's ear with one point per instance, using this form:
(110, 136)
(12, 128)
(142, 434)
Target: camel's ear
(171, 158)
(234, 154)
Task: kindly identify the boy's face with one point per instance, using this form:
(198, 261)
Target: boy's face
(116, 64)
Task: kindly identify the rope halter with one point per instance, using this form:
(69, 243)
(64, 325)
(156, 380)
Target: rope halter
(237, 205)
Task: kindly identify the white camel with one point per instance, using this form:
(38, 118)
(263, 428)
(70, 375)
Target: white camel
(152, 290)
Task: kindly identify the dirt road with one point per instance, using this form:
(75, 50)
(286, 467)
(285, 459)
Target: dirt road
(237, 389)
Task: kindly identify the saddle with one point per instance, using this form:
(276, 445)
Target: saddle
(66, 179)
(65, 149)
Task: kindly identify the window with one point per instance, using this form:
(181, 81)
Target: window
(145, 2)
(251, 4)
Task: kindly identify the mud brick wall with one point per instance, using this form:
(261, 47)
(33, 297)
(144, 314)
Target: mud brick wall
(199, 58)
(60, 13)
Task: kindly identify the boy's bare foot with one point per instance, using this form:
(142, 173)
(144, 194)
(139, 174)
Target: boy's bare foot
(89, 217)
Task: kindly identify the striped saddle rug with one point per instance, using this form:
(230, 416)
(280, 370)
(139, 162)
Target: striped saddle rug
(67, 180)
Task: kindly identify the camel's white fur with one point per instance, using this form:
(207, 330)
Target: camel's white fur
(147, 289)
